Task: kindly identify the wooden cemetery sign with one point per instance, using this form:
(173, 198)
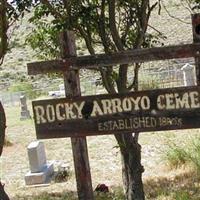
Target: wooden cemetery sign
(77, 117)
(164, 109)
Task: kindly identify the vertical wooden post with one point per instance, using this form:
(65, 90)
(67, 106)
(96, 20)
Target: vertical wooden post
(79, 145)
(196, 39)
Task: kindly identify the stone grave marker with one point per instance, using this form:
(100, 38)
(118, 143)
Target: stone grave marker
(25, 113)
(40, 170)
(189, 76)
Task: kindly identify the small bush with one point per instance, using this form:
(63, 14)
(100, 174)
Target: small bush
(188, 153)
(182, 196)
(62, 176)
(194, 152)
(176, 156)
(25, 87)
(151, 84)
(148, 82)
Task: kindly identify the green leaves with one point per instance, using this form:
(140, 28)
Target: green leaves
(44, 40)
(89, 19)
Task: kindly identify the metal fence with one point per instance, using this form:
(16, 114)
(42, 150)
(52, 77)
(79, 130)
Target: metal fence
(10, 98)
(152, 75)
(167, 74)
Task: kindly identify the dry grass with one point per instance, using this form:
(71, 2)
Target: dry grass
(104, 161)
(183, 185)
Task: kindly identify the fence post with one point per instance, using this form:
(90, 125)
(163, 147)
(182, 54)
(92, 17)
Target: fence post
(189, 76)
(196, 39)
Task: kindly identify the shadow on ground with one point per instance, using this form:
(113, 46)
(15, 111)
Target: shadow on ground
(116, 195)
(185, 186)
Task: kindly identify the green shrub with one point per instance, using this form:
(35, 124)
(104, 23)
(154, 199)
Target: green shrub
(182, 196)
(25, 87)
(148, 82)
(194, 152)
(176, 156)
(180, 154)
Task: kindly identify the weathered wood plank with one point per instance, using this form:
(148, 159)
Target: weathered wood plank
(130, 56)
(79, 144)
(163, 109)
(186, 121)
(196, 39)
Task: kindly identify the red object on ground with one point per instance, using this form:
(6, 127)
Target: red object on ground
(102, 188)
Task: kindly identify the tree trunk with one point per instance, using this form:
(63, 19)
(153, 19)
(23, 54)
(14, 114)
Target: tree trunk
(131, 166)
(2, 127)
(3, 195)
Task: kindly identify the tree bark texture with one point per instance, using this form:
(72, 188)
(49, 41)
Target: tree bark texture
(2, 127)
(3, 30)
(131, 157)
(131, 166)
(79, 145)
(3, 195)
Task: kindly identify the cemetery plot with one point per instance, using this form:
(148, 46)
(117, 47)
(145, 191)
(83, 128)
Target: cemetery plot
(154, 110)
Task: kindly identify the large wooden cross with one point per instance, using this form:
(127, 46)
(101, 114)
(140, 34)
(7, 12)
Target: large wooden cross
(72, 89)
(70, 65)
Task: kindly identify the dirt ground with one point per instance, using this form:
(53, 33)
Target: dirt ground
(103, 152)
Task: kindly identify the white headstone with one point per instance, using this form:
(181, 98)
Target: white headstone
(189, 76)
(37, 156)
(40, 171)
(40, 177)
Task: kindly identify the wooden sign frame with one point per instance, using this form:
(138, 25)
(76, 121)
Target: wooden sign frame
(152, 110)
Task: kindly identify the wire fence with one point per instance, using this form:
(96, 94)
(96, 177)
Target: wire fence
(152, 75)
(10, 98)
(167, 74)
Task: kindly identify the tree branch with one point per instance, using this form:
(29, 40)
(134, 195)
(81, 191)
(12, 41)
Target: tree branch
(122, 78)
(172, 16)
(135, 79)
(107, 44)
(87, 39)
(66, 4)
(113, 28)
(142, 24)
(53, 11)
(126, 30)
(107, 81)
(151, 9)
